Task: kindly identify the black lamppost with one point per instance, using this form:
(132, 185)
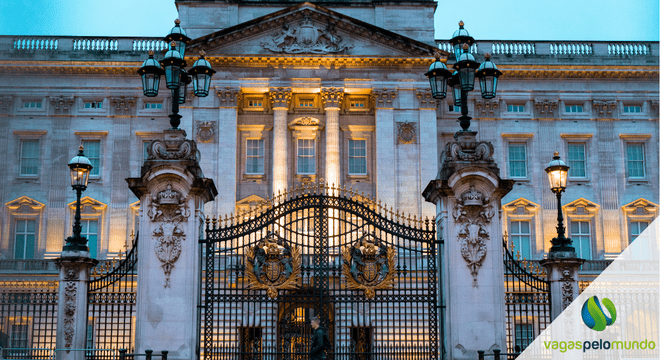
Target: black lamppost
(461, 80)
(80, 167)
(557, 174)
(176, 78)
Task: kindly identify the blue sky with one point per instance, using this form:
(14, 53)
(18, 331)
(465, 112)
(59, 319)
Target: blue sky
(487, 20)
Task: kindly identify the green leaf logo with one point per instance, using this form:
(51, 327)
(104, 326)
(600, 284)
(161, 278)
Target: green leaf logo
(593, 315)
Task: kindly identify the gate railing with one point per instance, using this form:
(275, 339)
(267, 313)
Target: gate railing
(111, 304)
(527, 301)
(28, 319)
(319, 230)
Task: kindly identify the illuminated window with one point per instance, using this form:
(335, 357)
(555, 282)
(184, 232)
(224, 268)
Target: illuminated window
(90, 230)
(357, 157)
(515, 108)
(254, 161)
(29, 157)
(520, 237)
(357, 104)
(94, 105)
(577, 160)
(581, 236)
(254, 103)
(306, 103)
(92, 150)
(25, 235)
(636, 228)
(306, 156)
(19, 336)
(153, 105)
(574, 108)
(524, 336)
(632, 109)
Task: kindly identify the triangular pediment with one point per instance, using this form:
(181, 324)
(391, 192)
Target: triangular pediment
(521, 206)
(88, 204)
(24, 201)
(581, 206)
(308, 29)
(640, 206)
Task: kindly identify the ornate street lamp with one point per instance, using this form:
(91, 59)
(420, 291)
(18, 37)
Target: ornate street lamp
(462, 80)
(176, 78)
(557, 174)
(438, 75)
(80, 167)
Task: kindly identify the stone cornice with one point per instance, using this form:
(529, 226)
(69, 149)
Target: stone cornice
(349, 62)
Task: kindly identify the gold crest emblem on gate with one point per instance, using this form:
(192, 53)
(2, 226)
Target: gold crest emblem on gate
(369, 265)
(272, 265)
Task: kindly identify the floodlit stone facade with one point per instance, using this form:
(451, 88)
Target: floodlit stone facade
(329, 92)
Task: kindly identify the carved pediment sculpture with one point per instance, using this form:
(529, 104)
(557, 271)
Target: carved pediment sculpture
(472, 213)
(273, 265)
(306, 37)
(369, 265)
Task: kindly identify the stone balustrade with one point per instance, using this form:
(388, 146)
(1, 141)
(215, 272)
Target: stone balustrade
(496, 47)
(559, 48)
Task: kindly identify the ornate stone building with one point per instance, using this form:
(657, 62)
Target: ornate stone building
(329, 92)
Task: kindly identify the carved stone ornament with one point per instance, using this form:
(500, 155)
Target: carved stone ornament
(61, 104)
(546, 106)
(487, 106)
(172, 150)
(383, 98)
(280, 97)
(6, 103)
(205, 131)
(477, 151)
(406, 132)
(472, 213)
(566, 288)
(169, 206)
(71, 275)
(369, 265)
(426, 100)
(603, 106)
(332, 97)
(228, 97)
(124, 105)
(306, 38)
(273, 265)
(169, 237)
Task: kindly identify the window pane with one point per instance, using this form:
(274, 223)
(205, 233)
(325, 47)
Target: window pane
(306, 156)
(254, 163)
(29, 157)
(24, 239)
(357, 157)
(90, 231)
(581, 237)
(92, 150)
(517, 160)
(635, 154)
(576, 160)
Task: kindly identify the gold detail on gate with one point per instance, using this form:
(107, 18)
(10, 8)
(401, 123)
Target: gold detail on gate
(273, 265)
(369, 266)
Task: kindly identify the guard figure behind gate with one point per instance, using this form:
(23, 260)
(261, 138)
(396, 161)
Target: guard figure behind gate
(320, 341)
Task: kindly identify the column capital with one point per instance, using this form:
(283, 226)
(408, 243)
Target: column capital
(61, 104)
(124, 105)
(332, 97)
(6, 103)
(426, 100)
(228, 96)
(383, 98)
(280, 97)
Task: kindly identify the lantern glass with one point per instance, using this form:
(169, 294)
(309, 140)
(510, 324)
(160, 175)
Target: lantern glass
(201, 83)
(466, 77)
(150, 82)
(488, 84)
(557, 173)
(80, 167)
(172, 75)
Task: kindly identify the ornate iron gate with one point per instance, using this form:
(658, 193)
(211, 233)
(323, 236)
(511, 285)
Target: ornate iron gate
(368, 273)
(111, 300)
(527, 300)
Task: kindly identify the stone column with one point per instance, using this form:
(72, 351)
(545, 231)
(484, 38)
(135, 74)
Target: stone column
(280, 98)
(467, 195)
(227, 138)
(563, 277)
(385, 154)
(75, 267)
(172, 193)
(332, 100)
(428, 143)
